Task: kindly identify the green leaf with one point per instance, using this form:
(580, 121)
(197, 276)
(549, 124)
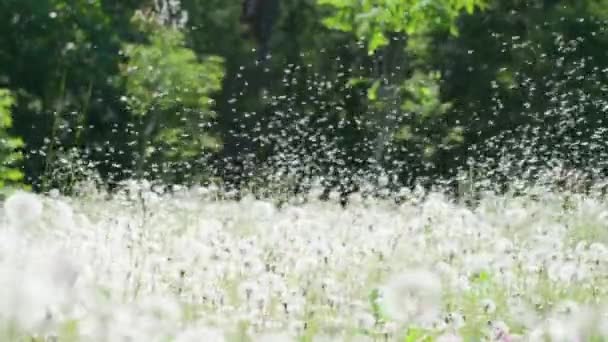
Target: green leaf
(9, 154)
(377, 41)
(481, 277)
(415, 334)
(373, 19)
(372, 92)
(12, 175)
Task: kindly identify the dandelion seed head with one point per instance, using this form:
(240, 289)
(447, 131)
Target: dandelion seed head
(201, 334)
(413, 295)
(449, 337)
(273, 337)
(488, 305)
(23, 209)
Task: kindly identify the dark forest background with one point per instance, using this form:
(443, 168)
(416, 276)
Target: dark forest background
(288, 92)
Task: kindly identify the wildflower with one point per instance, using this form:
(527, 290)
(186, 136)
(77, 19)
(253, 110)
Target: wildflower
(449, 338)
(34, 285)
(263, 210)
(63, 215)
(414, 295)
(246, 290)
(522, 313)
(500, 332)
(296, 328)
(273, 337)
(563, 271)
(201, 334)
(488, 306)
(455, 320)
(161, 308)
(365, 320)
(23, 209)
(561, 331)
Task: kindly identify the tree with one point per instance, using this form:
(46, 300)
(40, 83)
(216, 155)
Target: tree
(168, 90)
(406, 112)
(60, 60)
(525, 82)
(374, 20)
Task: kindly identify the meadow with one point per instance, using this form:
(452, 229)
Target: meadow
(279, 101)
(192, 264)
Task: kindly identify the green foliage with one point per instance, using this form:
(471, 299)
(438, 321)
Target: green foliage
(375, 302)
(417, 335)
(163, 75)
(371, 20)
(413, 87)
(60, 60)
(9, 146)
(399, 34)
(168, 89)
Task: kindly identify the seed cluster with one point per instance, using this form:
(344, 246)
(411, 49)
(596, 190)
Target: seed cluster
(191, 265)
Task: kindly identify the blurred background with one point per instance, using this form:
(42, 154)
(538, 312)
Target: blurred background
(263, 93)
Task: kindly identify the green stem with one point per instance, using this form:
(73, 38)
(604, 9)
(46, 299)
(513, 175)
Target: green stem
(50, 155)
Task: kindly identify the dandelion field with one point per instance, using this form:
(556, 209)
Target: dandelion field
(304, 171)
(192, 265)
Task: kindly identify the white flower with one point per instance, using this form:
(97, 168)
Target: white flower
(536, 334)
(201, 334)
(261, 209)
(455, 320)
(488, 306)
(563, 271)
(365, 320)
(562, 331)
(500, 331)
(448, 338)
(161, 308)
(296, 327)
(35, 283)
(63, 215)
(413, 296)
(23, 209)
(273, 337)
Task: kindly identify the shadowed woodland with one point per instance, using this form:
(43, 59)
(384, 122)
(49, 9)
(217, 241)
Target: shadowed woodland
(262, 93)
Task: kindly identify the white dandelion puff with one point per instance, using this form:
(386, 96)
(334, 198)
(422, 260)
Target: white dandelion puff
(488, 306)
(23, 209)
(413, 296)
(273, 337)
(449, 337)
(201, 334)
